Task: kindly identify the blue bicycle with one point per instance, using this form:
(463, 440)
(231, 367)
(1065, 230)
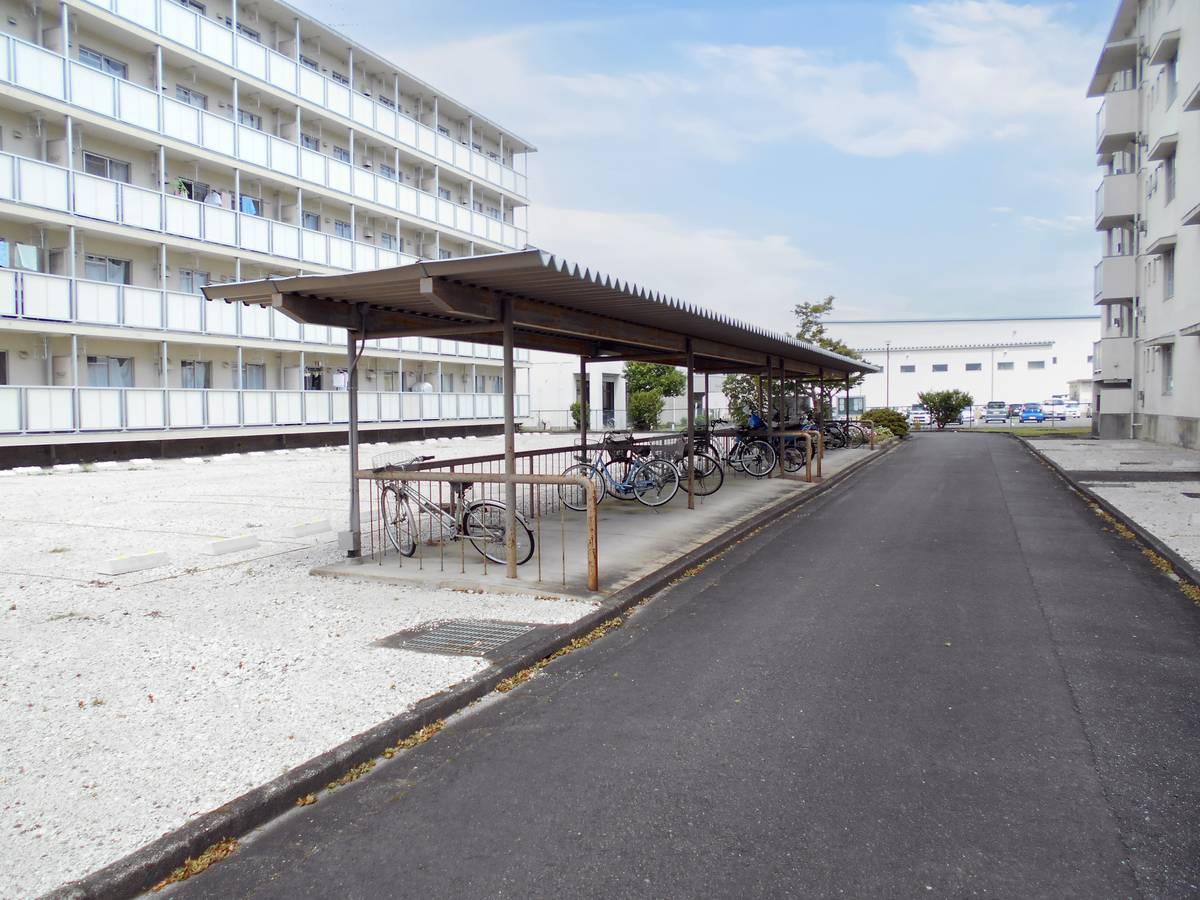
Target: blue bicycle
(627, 474)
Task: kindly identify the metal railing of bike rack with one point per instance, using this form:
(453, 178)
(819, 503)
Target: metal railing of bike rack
(384, 477)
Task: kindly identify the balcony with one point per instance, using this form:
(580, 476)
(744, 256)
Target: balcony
(128, 105)
(1115, 279)
(1112, 359)
(56, 410)
(1116, 121)
(216, 40)
(35, 297)
(1116, 200)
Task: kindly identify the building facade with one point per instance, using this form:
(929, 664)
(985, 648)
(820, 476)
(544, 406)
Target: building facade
(150, 147)
(1013, 360)
(1147, 283)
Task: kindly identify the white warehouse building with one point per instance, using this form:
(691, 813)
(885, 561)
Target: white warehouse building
(150, 147)
(1014, 360)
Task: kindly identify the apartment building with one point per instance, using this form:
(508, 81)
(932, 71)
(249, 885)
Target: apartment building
(150, 147)
(1016, 360)
(1147, 283)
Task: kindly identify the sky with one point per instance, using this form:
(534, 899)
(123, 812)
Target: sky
(913, 159)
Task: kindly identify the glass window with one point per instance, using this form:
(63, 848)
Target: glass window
(1169, 177)
(386, 101)
(1036, 364)
(310, 142)
(339, 77)
(444, 193)
(387, 171)
(251, 205)
(249, 32)
(312, 378)
(480, 384)
(1004, 366)
(341, 153)
(195, 374)
(311, 221)
(941, 367)
(254, 376)
(1171, 74)
(192, 4)
(1168, 263)
(309, 63)
(1168, 368)
(107, 269)
(447, 383)
(443, 254)
(105, 64)
(494, 212)
(387, 241)
(190, 280)
(908, 370)
(250, 120)
(103, 167)
(3, 367)
(974, 367)
(191, 97)
(110, 371)
(343, 229)
(497, 384)
(442, 129)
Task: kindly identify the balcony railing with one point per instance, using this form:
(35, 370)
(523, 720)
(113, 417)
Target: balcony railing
(219, 42)
(1116, 120)
(50, 410)
(1116, 199)
(54, 298)
(1115, 278)
(45, 72)
(1112, 359)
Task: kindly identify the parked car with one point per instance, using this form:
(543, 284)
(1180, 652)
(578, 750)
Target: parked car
(996, 411)
(967, 416)
(1032, 412)
(1014, 410)
(1074, 410)
(1055, 409)
(918, 415)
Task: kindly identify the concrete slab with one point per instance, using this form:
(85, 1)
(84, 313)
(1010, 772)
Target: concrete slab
(123, 565)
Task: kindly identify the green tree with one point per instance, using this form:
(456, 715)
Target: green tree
(945, 406)
(576, 412)
(644, 409)
(888, 418)
(668, 381)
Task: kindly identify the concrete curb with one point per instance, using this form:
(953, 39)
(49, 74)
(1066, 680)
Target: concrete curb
(137, 872)
(1182, 567)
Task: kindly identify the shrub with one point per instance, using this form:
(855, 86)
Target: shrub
(576, 411)
(644, 409)
(889, 419)
(945, 406)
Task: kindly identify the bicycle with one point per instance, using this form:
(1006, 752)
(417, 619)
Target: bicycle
(625, 475)
(748, 453)
(482, 522)
(707, 474)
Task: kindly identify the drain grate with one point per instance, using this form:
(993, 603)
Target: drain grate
(459, 638)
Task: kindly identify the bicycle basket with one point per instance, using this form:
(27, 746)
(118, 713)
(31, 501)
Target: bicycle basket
(393, 461)
(618, 447)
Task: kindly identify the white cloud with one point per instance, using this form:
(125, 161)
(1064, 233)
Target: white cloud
(755, 278)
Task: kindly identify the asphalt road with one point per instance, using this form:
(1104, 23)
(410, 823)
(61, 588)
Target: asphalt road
(943, 679)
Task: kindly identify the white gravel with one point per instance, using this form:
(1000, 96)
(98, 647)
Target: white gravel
(130, 704)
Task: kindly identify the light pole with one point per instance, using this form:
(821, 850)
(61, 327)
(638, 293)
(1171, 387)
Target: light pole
(887, 374)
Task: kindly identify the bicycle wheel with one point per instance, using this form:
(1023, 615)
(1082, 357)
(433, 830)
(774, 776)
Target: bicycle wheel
(758, 458)
(856, 436)
(707, 475)
(573, 496)
(483, 525)
(398, 522)
(735, 457)
(616, 479)
(793, 458)
(655, 482)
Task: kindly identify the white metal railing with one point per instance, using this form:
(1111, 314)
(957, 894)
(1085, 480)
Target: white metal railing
(46, 72)
(219, 42)
(38, 409)
(56, 298)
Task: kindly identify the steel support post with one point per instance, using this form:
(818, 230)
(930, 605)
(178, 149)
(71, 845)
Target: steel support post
(691, 421)
(510, 449)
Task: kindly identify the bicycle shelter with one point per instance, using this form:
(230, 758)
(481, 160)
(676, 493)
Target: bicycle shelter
(533, 300)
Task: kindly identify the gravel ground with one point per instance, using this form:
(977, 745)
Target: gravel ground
(130, 704)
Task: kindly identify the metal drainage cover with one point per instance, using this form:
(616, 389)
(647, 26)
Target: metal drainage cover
(464, 638)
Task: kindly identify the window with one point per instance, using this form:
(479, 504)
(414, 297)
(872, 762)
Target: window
(1036, 364)
(442, 129)
(1169, 177)
(250, 120)
(1004, 366)
(387, 171)
(444, 254)
(1171, 74)
(941, 367)
(103, 167)
(476, 147)
(447, 383)
(974, 367)
(1167, 352)
(497, 384)
(1168, 267)
(444, 193)
(192, 4)
(478, 206)
(254, 376)
(387, 241)
(110, 371)
(105, 268)
(251, 205)
(386, 101)
(310, 142)
(310, 221)
(195, 374)
(908, 370)
(105, 64)
(309, 63)
(343, 229)
(341, 153)
(191, 97)
(312, 378)
(339, 77)
(190, 281)
(3, 367)
(249, 32)
(193, 190)
(480, 384)
(493, 211)
(391, 380)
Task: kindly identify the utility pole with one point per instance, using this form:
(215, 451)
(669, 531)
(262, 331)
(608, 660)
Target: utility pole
(887, 374)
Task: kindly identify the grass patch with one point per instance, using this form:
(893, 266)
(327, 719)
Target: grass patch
(190, 867)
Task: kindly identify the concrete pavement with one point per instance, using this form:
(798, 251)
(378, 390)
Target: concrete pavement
(943, 679)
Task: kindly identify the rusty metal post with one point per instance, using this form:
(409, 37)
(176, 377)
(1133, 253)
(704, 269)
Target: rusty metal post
(510, 441)
(593, 537)
(691, 421)
(820, 452)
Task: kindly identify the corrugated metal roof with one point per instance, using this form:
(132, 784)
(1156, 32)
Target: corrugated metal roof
(538, 276)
